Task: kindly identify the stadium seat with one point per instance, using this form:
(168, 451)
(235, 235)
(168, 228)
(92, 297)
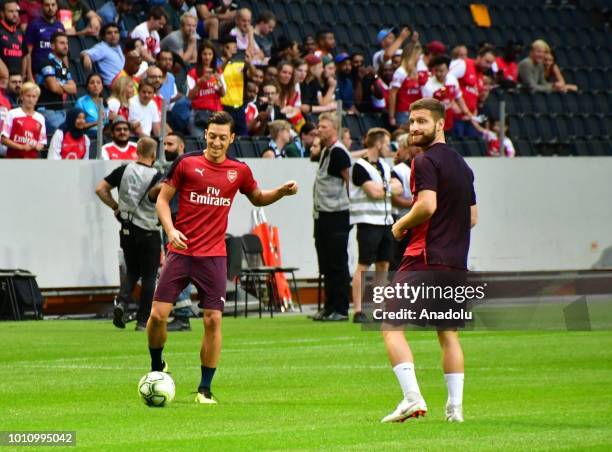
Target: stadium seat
(539, 102)
(579, 127)
(353, 123)
(295, 12)
(370, 120)
(581, 148)
(74, 47)
(343, 14)
(554, 103)
(564, 130)
(248, 149)
(570, 101)
(547, 128)
(525, 103)
(524, 148)
(234, 150)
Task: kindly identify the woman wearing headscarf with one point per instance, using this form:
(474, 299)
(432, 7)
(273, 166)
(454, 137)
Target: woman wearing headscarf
(70, 142)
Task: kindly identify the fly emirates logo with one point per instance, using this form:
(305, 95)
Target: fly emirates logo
(211, 198)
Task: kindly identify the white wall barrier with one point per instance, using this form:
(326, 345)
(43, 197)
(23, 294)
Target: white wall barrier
(535, 214)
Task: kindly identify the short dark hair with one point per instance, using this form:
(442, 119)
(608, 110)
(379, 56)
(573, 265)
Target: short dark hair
(56, 35)
(157, 13)
(106, 27)
(221, 118)
(375, 135)
(130, 44)
(438, 60)
(486, 48)
(265, 16)
(179, 135)
(436, 107)
(322, 33)
(307, 128)
(146, 82)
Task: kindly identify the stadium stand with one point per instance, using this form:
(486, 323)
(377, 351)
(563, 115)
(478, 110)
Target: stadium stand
(572, 123)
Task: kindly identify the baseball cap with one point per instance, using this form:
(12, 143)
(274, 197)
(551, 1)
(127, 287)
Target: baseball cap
(326, 60)
(119, 120)
(341, 57)
(382, 34)
(436, 47)
(312, 59)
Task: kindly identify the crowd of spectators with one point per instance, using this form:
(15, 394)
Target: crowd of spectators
(184, 59)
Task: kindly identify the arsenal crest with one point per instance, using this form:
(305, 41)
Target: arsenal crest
(232, 175)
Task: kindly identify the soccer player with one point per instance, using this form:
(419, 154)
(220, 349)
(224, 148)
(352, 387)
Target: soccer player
(440, 219)
(206, 183)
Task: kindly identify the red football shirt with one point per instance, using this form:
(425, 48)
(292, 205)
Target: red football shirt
(205, 192)
(24, 129)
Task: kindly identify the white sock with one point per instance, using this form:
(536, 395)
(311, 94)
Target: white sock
(407, 378)
(454, 383)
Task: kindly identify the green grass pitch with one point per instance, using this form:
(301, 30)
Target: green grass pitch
(289, 383)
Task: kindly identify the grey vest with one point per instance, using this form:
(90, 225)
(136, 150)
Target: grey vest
(329, 191)
(134, 185)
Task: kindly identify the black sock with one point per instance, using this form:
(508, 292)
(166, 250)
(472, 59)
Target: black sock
(156, 359)
(207, 375)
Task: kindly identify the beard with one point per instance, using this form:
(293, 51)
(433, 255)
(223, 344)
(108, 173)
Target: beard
(170, 156)
(425, 139)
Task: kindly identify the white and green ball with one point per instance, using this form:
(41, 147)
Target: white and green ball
(156, 389)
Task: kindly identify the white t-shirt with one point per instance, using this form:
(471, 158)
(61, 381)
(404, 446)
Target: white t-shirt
(378, 59)
(398, 77)
(55, 147)
(457, 68)
(150, 38)
(146, 115)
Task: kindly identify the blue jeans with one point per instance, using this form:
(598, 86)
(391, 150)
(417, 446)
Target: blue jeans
(465, 129)
(53, 119)
(402, 117)
(182, 308)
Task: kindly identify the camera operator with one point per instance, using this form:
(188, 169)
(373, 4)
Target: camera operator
(138, 186)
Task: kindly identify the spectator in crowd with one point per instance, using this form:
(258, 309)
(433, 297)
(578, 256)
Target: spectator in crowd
(390, 44)
(270, 75)
(381, 88)
(484, 108)
(315, 149)
(309, 46)
(148, 31)
(300, 71)
(531, 69)
(263, 29)
(469, 72)
(144, 116)
(346, 139)
(38, 38)
(168, 90)
(402, 202)
(432, 50)
(206, 88)
(258, 76)
(371, 188)
(183, 42)
(70, 142)
(288, 95)
(331, 220)
(344, 88)
(155, 76)
(285, 50)
(406, 85)
(329, 68)
(23, 132)
(251, 92)
(268, 110)
(315, 99)
(120, 148)
(491, 135)
(552, 74)
(506, 65)
(235, 73)
(300, 147)
(245, 36)
(114, 12)
(459, 52)
(89, 102)
(56, 83)
(280, 133)
(138, 45)
(29, 10)
(138, 186)
(13, 89)
(213, 21)
(106, 54)
(445, 88)
(12, 46)
(326, 42)
(174, 12)
(131, 68)
(363, 79)
(119, 100)
(81, 20)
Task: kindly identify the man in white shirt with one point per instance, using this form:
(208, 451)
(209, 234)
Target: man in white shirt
(144, 115)
(148, 32)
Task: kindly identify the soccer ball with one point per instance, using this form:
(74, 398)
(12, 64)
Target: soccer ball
(156, 389)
